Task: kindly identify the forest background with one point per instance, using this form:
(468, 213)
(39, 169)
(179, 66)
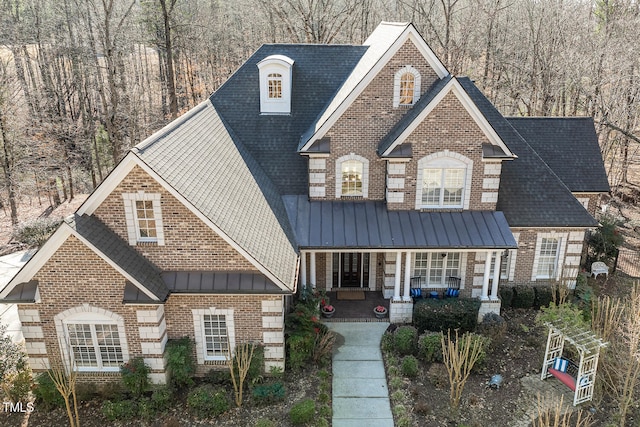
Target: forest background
(82, 81)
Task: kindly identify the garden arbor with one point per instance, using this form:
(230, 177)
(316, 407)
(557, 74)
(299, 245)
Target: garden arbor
(578, 377)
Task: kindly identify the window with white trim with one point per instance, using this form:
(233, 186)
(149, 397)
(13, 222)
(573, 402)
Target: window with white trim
(444, 181)
(276, 78)
(406, 87)
(435, 267)
(547, 256)
(352, 176)
(214, 333)
(144, 218)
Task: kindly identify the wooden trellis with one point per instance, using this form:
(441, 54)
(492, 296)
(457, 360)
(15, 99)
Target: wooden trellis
(588, 346)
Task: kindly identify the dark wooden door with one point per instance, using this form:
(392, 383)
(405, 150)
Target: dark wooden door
(351, 263)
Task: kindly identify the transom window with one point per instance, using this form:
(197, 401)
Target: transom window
(407, 82)
(146, 220)
(548, 258)
(215, 336)
(95, 347)
(443, 187)
(275, 86)
(352, 171)
(436, 267)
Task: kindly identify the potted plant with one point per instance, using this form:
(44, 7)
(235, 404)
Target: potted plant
(380, 311)
(328, 310)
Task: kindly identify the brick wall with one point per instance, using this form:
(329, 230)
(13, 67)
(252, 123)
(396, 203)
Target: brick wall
(190, 244)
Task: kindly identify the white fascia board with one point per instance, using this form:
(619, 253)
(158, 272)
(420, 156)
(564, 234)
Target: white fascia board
(38, 260)
(210, 223)
(410, 33)
(467, 103)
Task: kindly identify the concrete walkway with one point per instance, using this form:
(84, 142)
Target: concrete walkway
(360, 393)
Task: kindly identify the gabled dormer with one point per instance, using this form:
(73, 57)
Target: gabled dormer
(276, 74)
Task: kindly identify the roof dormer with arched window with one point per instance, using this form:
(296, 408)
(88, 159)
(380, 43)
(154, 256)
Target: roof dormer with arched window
(275, 84)
(406, 87)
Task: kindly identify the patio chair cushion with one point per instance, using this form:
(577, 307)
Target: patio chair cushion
(560, 364)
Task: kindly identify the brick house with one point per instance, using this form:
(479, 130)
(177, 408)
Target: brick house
(334, 166)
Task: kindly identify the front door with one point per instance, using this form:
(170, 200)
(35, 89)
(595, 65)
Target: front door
(351, 270)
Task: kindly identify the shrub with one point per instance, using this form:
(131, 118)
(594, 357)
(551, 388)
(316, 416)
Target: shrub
(269, 393)
(387, 342)
(161, 399)
(218, 377)
(603, 244)
(120, 410)
(323, 347)
(35, 233)
(405, 340)
(300, 348)
(483, 343)
(255, 373)
(302, 412)
(145, 409)
(506, 296)
(47, 396)
(543, 295)
(410, 366)
(523, 296)
(14, 371)
(207, 401)
(442, 315)
(429, 347)
(180, 364)
(494, 327)
(19, 386)
(135, 376)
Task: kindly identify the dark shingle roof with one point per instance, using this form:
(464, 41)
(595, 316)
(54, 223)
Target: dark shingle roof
(369, 224)
(318, 73)
(120, 252)
(569, 145)
(531, 194)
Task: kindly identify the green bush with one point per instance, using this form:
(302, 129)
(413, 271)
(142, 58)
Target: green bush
(302, 330)
(35, 233)
(161, 399)
(485, 342)
(118, 411)
(387, 342)
(442, 315)
(135, 376)
(405, 340)
(300, 349)
(180, 365)
(603, 244)
(269, 393)
(430, 347)
(302, 412)
(255, 374)
(543, 295)
(506, 296)
(20, 385)
(494, 327)
(410, 366)
(523, 296)
(207, 401)
(145, 409)
(47, 396)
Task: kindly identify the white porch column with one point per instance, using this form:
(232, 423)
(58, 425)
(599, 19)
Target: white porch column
(407, 277)
(396, 286)
(312, 269)
(496, 277)
(485, 279)
(303, 270)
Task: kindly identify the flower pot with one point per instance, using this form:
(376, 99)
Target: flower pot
(328, 314)
(380, 314)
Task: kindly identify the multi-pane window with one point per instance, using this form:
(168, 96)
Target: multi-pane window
(352, 178)
(274, 81)
(443, 187)
(435, 268)
(407, 81)
(548, 258)
(146, 220)
(215, 336)
(95, 346)
(504, 266)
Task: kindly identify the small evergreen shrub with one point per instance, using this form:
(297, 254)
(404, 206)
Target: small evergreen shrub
(430, 347)
(406, 340)
(302, 412)
(300, 348)
(135, 376)
(207, 401)
(20, 385)
(442, 315)
(506, 296)
(523, 296)
(255, 374)
(161, 399)
(410, 366)
(145, 409)
(269, 393)
(484, 344)
(47, 396)
(387, 342)
(494, 327)
(180, 365)
(543, 295)
(119, 410)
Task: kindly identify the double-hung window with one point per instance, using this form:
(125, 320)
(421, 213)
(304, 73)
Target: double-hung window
(435, 268)
(352, 171)
(443, 187)
(95, 346)
(407, 81)
(144, 218)
(215, 336)
(548, 258)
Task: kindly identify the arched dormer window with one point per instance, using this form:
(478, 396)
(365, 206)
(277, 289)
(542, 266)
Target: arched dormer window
(406, 87)
(444, 181)
(275, 84)
(352, 176)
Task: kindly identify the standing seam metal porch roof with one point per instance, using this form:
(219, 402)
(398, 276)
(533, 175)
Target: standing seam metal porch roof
(368, 224)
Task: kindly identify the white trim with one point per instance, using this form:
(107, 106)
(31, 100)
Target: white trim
(444, 160)
(397, 79)
(462, 96)
(409, 34)
(131, 217)
(275, 64)
(365, 174)
(562, 245)
(201, 351)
